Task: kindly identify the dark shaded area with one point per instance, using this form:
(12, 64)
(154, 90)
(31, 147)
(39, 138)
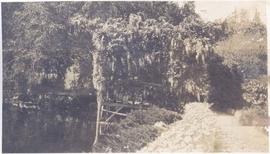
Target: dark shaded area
(226, 91)
(51, 124)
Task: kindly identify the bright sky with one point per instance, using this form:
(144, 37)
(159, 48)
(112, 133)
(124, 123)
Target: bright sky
(212, 10)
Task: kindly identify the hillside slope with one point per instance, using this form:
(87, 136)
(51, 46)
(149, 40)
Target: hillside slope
(202, 130)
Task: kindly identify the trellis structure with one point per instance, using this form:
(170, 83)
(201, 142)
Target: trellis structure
(127, 50)
(112, 107)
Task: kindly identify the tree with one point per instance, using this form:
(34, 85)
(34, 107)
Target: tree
(257, 18)
(42, 44)
(127, 48)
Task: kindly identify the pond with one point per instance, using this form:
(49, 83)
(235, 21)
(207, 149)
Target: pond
(51, 124)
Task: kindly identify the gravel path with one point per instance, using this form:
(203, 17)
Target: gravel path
(202, 130)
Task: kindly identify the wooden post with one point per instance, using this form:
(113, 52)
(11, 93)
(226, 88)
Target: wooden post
(100, 119)
(99, 110)
(99, 78)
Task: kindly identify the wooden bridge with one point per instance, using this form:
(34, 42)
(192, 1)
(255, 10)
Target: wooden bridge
(106, 111)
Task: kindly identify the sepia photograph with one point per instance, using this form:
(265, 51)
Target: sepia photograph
(134, 76)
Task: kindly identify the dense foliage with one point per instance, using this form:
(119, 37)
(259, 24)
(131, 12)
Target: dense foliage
(255, 91)
(155, 52)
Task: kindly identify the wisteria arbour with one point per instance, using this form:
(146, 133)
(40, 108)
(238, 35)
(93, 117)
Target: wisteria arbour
(148, 51)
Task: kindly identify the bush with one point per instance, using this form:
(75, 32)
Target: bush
(255, 91)
(255, 96)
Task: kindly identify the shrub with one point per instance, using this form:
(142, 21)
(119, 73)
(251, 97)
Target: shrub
(255, 91)
(255, 96)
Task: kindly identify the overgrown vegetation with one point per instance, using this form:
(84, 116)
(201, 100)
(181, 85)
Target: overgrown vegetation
(255, 95)
(154, 52)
